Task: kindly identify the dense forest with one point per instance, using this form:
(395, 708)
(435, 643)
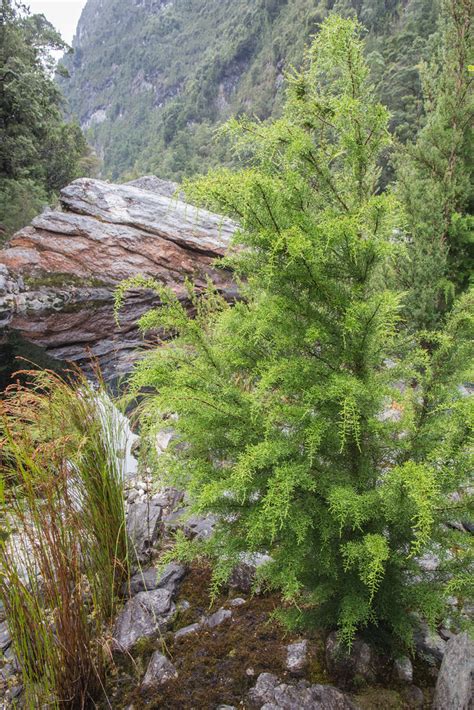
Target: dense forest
(151, 80)
(39, 151)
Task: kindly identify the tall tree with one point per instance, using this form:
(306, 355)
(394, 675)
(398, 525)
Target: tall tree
(39, 151)
(295, 432)
(435, 176)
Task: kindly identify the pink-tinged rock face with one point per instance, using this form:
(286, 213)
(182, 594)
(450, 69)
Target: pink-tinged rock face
(110, 232)
(58, 276)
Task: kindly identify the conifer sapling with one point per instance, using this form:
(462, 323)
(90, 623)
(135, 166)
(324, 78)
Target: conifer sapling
(302, 413)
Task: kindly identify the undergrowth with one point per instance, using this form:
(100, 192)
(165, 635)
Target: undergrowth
(63, 550)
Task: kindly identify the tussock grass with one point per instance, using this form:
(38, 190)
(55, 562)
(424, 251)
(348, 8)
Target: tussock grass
(63, 549)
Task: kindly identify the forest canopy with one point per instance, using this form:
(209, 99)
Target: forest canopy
(40, 152)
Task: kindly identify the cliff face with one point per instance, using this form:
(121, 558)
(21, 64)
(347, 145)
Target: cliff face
(58, 276)
(150, 79)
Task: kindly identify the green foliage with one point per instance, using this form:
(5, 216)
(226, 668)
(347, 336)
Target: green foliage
(435, 176)
(180, 69)
(20, 201)
(63, 548)
(295, 432)
(39, 152)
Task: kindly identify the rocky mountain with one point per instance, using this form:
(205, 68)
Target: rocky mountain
(151, 79)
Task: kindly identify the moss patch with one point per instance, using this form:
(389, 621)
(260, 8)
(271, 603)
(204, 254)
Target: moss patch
(219, 666)
(215, 666)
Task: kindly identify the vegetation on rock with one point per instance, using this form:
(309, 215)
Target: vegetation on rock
(316, 427)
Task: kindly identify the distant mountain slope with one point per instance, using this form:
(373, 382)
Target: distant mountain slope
(150, 79)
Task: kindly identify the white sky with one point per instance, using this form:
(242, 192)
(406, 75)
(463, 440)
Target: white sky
(63, 14)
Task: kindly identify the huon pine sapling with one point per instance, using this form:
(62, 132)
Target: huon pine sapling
(283, 400)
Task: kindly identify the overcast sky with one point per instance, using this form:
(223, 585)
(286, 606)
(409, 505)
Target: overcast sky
(63, 14)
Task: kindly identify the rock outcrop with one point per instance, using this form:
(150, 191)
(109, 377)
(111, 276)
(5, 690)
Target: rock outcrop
(58, 276)
(106, 233)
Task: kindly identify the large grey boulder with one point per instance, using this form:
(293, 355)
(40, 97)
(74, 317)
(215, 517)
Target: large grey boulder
(144, 616)
(160, 670)
(271, 694)
(153, 212)
(455, 685)
(106, 233)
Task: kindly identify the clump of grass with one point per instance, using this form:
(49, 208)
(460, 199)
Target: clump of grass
(63, 551)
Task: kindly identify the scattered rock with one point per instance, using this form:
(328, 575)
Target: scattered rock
(160, 670)
(186, 630)
(242, 578)
(150, 579)
(238, 601)
(217, 618)
(271, 694)
(163, 439)
(347, 667)
(429, 645)
(143, 526)
(142, 617)
(403, 670)
(455, 685)
(297, 656)
(169, 498)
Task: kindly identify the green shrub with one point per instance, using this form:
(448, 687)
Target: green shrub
(297, 434)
